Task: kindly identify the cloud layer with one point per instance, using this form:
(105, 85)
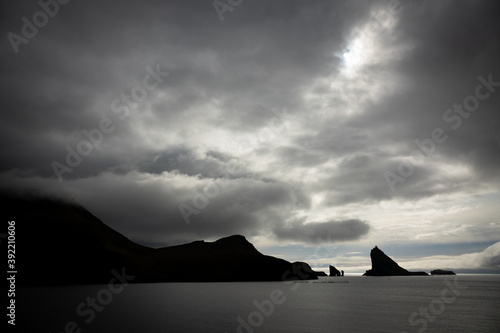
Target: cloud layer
(323, 232)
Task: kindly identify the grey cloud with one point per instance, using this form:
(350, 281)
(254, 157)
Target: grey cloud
(300, 156)
(145, 207)
(187, 162)
(226, 77)
(322, 232)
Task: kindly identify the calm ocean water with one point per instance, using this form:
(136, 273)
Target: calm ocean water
(469, 303)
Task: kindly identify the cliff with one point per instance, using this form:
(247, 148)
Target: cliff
(382, 265)
(59, 243)
(334, 271)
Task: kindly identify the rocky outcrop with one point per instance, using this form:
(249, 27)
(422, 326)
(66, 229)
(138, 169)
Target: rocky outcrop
(303, 271)
(382, 265)
(334, 271)
(61, 243)
(442, 272)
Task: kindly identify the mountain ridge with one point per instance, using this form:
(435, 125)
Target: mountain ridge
(62, 243)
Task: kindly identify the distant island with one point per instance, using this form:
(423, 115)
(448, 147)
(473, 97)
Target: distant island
(60, 243)
(442, 272)
(382, 265)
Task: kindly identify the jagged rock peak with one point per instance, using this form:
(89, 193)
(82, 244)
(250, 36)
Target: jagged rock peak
(383, 265)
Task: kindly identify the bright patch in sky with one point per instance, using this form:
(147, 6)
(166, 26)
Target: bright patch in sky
(352, 58)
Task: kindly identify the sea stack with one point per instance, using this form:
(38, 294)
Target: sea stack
(382, 265)
(334, 271)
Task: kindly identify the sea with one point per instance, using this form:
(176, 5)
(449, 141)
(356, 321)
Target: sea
(461, 303)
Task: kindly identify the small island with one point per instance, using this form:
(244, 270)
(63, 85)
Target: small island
(442, 272)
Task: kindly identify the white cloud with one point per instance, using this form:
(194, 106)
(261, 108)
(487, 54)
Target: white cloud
(487, 259)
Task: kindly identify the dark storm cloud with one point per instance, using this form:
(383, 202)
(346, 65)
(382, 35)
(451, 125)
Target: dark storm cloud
(225, 79)
(66, 77)
(454, 47)
(145, 207)
(450, 51)
(323, 232)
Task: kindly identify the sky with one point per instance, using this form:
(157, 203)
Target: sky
(316, 129)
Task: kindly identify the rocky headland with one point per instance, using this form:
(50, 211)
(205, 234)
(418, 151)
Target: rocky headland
(61, 243)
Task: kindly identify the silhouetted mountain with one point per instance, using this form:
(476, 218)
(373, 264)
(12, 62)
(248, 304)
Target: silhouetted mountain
(382, 265)
(61, 243)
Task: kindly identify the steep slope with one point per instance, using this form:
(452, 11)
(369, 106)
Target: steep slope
(62, 243)
(382, 265)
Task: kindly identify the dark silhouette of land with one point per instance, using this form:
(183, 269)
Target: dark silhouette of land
(334, 271)
(442, 272)
(59, 243)
(382, 265)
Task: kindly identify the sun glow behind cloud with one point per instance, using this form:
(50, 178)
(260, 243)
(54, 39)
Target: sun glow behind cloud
(365, 72)
(359, 52)
(366, 44)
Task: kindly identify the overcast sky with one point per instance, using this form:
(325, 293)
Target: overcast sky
(317, 129)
